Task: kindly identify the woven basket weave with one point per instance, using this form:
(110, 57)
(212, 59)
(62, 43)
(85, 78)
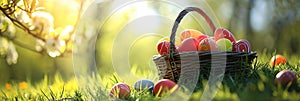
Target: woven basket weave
(173, 65)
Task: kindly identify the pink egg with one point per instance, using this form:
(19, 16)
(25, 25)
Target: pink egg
(189, 45)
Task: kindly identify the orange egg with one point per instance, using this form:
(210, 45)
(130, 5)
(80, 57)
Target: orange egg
(189, 33)
(277, 60)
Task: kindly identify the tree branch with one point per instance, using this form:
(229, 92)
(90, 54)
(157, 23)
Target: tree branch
(20, 25)
(77, 22)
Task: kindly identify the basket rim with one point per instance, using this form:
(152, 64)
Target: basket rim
(207, 53)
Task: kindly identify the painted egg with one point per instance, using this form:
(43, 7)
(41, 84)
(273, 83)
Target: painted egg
(189, 33)
(201, 37)
(284, 77)
(207, 44)
(189, 45)
(163, 47)
(223, 33)
(164, 86)
(120, 90)
(224, 45)
(277, 60)
(144, 84)
(241, 46)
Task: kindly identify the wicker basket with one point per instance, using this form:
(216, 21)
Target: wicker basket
(173, 65)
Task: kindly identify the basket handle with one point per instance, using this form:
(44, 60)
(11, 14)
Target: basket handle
(178, 20)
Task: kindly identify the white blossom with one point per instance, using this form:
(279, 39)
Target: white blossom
(8, 31)
(42, 22)
(23, 17)
(11, 55)
(40, 45)
(55, 47)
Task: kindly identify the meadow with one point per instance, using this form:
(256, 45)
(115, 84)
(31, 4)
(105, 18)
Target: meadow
(259, 85)
(36, 61)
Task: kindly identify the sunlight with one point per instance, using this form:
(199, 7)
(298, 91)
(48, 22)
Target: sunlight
(64, 11)
(142, 9)
(136, 10)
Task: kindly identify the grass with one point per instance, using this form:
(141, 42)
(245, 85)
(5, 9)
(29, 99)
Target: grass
(257, 86)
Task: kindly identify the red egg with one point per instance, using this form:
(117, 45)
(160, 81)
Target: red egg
(201, 37)
(164, 86)
(120, 90)
(284, 77)
(207, 44)
(163, 47)
(188, 45)
(223, 33)
(241, 46)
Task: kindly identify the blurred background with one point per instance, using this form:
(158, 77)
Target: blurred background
(269, 25)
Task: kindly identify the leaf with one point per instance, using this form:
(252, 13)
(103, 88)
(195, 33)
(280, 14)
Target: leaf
(26, 4)
(33, 6)
(2, 2)
(3, 25)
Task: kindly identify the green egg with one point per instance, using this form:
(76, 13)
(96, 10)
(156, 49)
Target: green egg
(224, 45)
